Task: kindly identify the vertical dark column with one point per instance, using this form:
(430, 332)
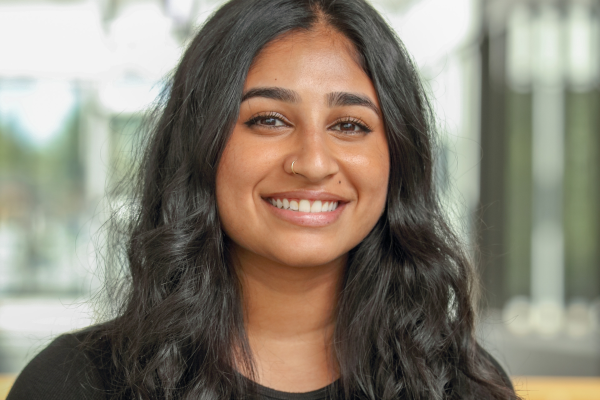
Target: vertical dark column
(582, 196)
(491, 208)
(518, 181)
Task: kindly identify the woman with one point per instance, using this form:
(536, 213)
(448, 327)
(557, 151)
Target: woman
(288, 242)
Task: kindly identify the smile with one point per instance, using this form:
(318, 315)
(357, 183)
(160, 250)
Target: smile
(303, 205)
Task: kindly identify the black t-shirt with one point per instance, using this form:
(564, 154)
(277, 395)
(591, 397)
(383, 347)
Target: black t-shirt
(62, 371)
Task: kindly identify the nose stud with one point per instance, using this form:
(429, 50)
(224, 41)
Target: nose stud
(293, 172)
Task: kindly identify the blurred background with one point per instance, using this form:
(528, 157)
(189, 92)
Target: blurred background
(515, 84)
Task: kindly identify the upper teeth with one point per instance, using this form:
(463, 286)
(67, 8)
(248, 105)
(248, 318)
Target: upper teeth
(304, 205)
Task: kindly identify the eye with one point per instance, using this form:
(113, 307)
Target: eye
(271, 120)
(351, 125)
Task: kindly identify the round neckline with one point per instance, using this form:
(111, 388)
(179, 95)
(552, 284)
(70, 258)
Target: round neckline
(281, 395)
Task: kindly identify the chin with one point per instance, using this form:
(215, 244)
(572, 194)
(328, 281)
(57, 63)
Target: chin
(307, 258)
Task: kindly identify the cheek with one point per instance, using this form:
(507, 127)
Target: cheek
(375, 187)
(232, 185)
(227, 183)
(372, 175)
(236, 171)
(372, 171)
(243, 165)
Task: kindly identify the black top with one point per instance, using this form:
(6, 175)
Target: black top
(63, 371)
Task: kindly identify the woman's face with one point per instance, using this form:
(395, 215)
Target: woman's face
(308, 102)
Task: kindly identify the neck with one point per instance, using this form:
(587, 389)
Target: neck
(289, 319)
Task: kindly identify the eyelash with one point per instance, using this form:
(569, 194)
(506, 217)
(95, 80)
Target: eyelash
(255, 119)
(364, 128)
(362, 125)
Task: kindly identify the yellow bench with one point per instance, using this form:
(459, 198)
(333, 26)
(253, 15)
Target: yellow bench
(528, 387)
(6, 382)
(557, 388)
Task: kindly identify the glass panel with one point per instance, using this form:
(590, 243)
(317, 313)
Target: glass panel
(42, 188)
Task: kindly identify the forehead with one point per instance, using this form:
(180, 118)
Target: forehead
(319, 58)
(319, 37)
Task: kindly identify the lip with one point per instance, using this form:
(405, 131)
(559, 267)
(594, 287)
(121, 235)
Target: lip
(307, 219)
(309, 195)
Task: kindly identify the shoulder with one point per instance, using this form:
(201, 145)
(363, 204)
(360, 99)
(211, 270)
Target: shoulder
(61, 371)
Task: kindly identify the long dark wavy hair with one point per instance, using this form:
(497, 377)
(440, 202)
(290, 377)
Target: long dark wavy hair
(405, 318)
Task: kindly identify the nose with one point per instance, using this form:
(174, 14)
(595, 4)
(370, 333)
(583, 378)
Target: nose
(314, 159)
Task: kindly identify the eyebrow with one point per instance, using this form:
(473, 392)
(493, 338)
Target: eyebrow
(340, 99)
(335, 99)
(275, 93)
